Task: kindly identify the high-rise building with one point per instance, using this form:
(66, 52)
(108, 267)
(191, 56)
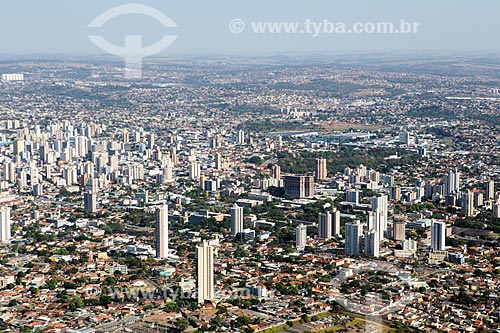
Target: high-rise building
(218, 161)
(451, 182)
(194, 170)
(329, 224)
(467, 201)
(396, 193)
(90, 195)
(151, 140)
(490, 190)
(335, 222)
(320, 171)
(161, 232)
(18, 147)
(5, 233)
(125, 136)
(352, 195)
(205, 276)
(496, 209)
(276, 171)
(380, 207)
(325, 225)
(81, 146)
(353, 236)
(299, 186)
(398, 229)
(372, 244)
(236, 220)
(241, 137)
(70, 174)
(9, 172)
(478, 199)
(405, 138)
(438, 236)
(300, 236)
(168, 172)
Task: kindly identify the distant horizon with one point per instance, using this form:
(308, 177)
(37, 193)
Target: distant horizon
(318, 54)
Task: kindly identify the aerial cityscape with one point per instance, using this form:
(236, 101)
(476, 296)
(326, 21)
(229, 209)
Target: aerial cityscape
(347, 192)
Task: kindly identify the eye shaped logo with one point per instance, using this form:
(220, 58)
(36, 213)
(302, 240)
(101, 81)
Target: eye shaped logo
(133, 52)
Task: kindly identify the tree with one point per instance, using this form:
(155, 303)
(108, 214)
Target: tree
(181, 324)
(171, 307)
(75, 303)
(52, 284)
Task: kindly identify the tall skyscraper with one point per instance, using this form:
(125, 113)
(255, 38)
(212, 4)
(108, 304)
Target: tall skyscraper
(18, 147)
(81, 146)
(438, 236)
(325, 225)
(236, 220)
(398, 229)
(353, 235)
(5, 233)
(496, 209)
(335, 222)
(194, 170)
(151, 140)
(372, 244)
(168, 172)
(90, 195)
(205, 268)
(300, 236)
(467, 201)
(451, 182)
(405, 138)
(241, 137)
(125, 136)
(380, 207)
(162, 232)
(9, 172)
(218, 161)
(276, 171)
(490, 190)
(320, 171)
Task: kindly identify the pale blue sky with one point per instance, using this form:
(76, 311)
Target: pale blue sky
(60, 26)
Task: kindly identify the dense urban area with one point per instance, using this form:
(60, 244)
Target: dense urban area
(271, 194)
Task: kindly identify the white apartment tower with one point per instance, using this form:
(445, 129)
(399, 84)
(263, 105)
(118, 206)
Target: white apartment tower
(205, 276)
(161, 232)
(5, 224)
(236, 220)
(300, 236)
(372, 244)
